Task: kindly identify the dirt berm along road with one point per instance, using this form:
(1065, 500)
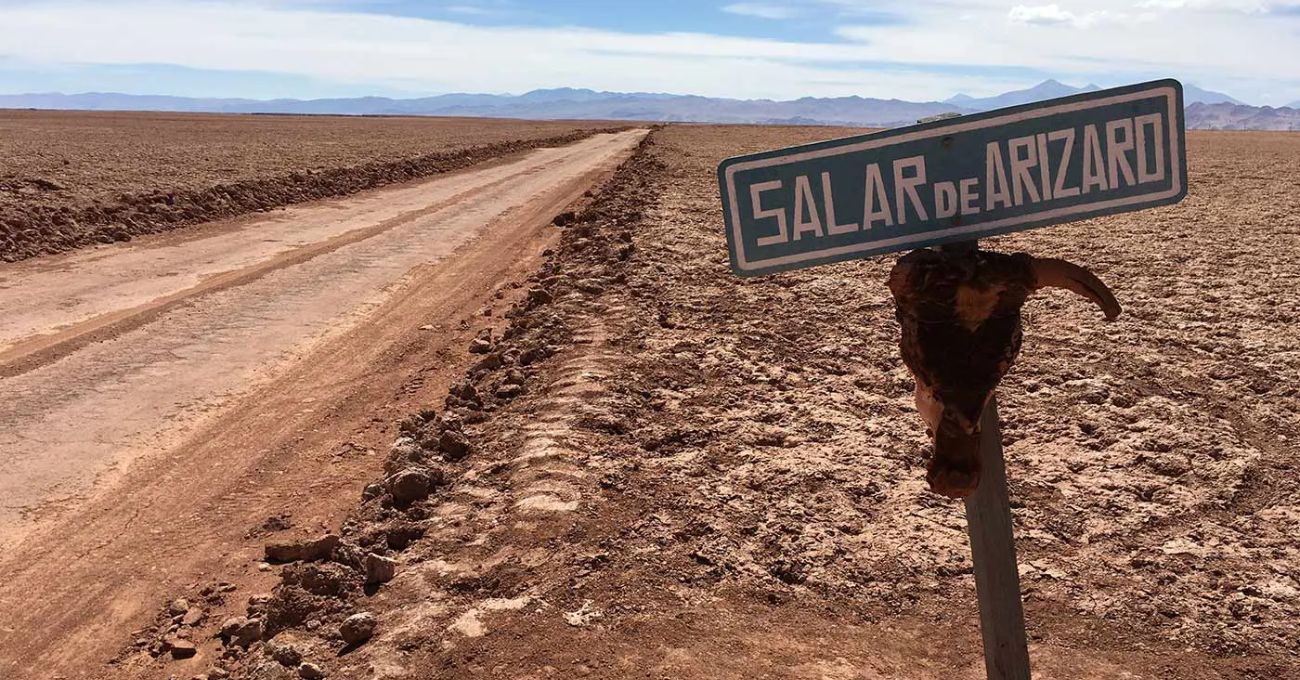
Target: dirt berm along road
(160, 400)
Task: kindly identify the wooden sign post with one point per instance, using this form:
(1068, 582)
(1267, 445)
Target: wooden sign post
(959, 179)
(946, 184)
(993, 550)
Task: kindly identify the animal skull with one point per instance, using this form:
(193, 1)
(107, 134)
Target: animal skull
(960, 315)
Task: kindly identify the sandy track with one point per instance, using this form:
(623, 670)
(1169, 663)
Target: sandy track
(240, 371)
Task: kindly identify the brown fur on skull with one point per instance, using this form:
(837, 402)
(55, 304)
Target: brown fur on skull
(960, 316)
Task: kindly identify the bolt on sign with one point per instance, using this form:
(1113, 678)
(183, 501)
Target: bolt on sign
(957, 179)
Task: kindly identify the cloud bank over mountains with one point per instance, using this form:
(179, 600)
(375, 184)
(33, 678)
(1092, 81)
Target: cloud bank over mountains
(921, 50)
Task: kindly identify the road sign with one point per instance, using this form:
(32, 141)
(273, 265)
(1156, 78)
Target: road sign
(958, 179)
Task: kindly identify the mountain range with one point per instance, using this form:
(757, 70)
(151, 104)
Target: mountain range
(1225, 116)
(1050, 89)
(1213, 109)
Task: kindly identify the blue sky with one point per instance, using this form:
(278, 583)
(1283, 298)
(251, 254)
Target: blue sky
(909, 49)
(701, 16)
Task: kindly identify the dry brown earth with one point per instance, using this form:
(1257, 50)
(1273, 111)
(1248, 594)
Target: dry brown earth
(70, 179)
(723, 478)
(675, 473)
(167, 404)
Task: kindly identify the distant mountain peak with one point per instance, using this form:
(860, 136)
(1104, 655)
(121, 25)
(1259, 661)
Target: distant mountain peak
(563, 94)
(1193, 94)
(1052, 88)
(1048, 89)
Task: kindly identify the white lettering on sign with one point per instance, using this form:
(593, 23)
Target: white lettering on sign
(805, 202)
(969, 196)
(876, 197)
(991, 173)
(1024, 156)
(1117, 146)
(1059, 190)
(996, 177)
(1094, 173)
(832, 226)
(905, 186)
(756, 196)
(1157, 173)
(1045, 166)
(945, 200)
(1021, 171)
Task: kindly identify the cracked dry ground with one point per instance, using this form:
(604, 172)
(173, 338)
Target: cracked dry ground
(676, 473)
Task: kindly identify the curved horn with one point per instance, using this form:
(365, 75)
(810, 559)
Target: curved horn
(1051, 272)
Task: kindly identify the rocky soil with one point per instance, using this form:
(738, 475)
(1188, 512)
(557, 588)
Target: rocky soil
(72, 179)
(660, 470)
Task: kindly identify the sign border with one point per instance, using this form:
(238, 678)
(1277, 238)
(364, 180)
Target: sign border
(727, 170)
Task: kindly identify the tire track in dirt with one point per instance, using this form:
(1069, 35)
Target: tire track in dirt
(542, 478)
(27, 353)
(549, 468)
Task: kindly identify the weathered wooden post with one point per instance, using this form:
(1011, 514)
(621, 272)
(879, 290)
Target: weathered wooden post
(993, 550)
(947, 183)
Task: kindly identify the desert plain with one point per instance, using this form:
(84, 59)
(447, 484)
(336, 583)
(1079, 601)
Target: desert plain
(568, 442)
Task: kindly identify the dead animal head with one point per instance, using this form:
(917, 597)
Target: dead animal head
(960, 315)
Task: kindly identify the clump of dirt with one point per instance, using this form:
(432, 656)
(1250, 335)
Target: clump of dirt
(29, 228)
(177, 629)
(273, 524)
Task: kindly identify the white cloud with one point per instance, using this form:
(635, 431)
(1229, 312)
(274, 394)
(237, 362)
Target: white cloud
(472, 10)
(936, 51)
(1041, 14)
(1052, 15)
(438, 56)
(761, 10)
(1227, 47)
(1250, 6)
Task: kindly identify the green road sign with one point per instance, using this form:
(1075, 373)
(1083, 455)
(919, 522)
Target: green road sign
(958, 179)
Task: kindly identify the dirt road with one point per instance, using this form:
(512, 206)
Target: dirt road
(161, 400)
